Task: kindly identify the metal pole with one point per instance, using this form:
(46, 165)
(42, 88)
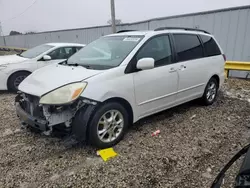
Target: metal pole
(112, 2)
(1, 34)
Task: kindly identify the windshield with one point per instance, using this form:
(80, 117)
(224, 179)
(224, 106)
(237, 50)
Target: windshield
(36, 51)
(106, 52)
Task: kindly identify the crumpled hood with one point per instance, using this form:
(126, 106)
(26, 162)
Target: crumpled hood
(54, 76)
(10, 59)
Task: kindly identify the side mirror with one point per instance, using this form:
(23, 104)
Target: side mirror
(145, 63)
(46, 58)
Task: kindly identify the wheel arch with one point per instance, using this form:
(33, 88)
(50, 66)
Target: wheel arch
(19, 71)
(124, 103)
(217, 78)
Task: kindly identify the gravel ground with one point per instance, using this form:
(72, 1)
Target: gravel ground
(194, 144)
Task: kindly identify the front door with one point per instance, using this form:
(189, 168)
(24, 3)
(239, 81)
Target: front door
(156, 89)
(58, 55)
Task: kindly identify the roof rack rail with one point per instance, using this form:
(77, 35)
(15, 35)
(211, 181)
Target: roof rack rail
(122, 31)
(182, 28)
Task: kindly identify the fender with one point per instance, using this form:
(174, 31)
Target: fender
(80, 131)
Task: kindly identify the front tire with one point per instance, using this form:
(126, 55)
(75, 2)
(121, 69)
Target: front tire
(16, 79)
(108, 125)
(211, 92)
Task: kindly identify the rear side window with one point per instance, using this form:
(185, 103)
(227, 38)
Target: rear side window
(210, 46)
(188, 47)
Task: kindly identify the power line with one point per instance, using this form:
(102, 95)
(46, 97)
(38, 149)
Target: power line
(21, 12)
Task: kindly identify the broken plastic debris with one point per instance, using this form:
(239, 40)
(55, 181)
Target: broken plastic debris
(194, 116)
(156, 133)
(106, 154)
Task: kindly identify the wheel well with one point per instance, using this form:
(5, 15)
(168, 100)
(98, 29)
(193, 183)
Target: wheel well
(217, 78)
(124, 103)
(23, 71)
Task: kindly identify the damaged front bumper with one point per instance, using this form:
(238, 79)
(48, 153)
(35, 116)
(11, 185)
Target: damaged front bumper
(27, 119)
(47, 117)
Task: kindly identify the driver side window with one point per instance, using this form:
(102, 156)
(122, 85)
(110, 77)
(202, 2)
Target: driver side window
(157, 48)
(62, 53)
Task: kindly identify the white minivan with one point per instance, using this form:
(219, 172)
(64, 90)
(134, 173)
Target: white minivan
(119, 79)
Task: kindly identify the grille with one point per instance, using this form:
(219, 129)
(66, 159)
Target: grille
(31, 105)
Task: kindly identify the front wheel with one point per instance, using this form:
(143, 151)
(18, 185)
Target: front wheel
(211, 92)
(108, 125)
(16, 79)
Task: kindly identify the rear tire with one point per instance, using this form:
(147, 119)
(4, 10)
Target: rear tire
(211, 92)
(108, 125)
(15, 79)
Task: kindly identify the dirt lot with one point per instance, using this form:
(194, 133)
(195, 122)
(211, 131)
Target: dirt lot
(195, 142)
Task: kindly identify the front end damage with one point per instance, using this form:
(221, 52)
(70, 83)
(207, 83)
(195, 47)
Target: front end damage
(51, 118)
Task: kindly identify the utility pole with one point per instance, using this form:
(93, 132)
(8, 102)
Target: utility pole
(1, 34)
(112, 2)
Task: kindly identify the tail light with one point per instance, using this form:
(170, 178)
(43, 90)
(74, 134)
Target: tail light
(224, 56)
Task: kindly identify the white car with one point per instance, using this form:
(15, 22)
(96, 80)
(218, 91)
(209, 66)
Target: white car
(14, 68)
(119, 79)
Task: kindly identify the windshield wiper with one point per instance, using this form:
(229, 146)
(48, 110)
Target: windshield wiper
(76, 65)
(87, 66)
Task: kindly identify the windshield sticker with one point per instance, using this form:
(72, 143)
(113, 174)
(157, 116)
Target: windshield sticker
(131, 39)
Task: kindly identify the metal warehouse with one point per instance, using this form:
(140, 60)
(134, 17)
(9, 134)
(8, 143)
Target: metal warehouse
(230, 26)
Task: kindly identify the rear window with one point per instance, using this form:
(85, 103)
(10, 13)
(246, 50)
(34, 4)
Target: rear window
(188, 47)
(210, 46)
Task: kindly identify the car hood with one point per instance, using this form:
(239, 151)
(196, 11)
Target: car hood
(54, 76)
(10, 59)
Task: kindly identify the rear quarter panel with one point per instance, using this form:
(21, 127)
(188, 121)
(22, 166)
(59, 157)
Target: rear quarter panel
(216, 66)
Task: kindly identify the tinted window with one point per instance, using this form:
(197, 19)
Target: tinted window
(210, 46)
(188, 47)
(157, 48)
(62, 53)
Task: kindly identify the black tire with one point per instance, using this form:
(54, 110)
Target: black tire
(210, 100)
(16, 78)
(93, 137)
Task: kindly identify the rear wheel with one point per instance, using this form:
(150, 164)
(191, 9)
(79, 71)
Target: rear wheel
(16, 79)
(108, 125)
(211, 92)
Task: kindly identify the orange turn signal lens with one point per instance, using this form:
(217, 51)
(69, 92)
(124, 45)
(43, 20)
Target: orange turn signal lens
(76, 93)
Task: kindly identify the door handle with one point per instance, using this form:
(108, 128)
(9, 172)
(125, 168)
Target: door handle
(182, 67)
(172, 69)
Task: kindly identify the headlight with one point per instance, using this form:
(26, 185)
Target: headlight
(63, 95)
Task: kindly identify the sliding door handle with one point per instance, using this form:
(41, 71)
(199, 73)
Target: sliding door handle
(182, 67)
(172, 70)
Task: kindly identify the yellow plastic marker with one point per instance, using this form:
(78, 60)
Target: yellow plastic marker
(106, 154)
